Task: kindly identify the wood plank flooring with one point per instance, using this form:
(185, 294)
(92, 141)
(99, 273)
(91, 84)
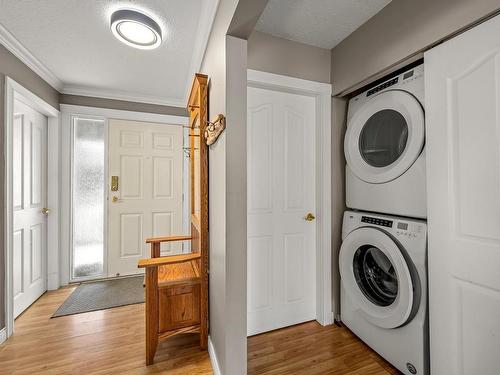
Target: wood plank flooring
(112, 342)
(312, 349)
(101, 342)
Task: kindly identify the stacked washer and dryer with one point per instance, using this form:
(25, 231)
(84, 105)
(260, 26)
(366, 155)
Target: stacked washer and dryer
(383, 258)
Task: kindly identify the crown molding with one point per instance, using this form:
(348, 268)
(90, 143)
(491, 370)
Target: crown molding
(209, 8)
(23, 54)
(122, 95)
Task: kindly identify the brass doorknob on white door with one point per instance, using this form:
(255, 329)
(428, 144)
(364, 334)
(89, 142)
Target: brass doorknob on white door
(114, 199)
(45, 211)
(309, 217)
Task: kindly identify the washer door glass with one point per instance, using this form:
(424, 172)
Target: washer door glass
(383, 138)
(375, 275)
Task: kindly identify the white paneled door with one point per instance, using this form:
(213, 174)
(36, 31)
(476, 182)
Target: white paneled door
(146, 159)
(29, 202)
(281, 193)
(462, 89)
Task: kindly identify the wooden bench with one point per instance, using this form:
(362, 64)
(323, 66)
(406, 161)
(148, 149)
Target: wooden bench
(177, 285)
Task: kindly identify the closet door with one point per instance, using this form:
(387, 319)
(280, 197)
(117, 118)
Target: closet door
(463, 163)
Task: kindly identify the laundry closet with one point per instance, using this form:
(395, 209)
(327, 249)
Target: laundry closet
(420, 241)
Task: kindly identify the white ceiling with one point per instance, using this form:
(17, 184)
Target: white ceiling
(321, 23)
(70, 44)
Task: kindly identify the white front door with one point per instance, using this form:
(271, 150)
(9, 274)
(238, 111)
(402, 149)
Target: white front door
(462, 89)
(29, 200)
(147, 160)
(281, 192)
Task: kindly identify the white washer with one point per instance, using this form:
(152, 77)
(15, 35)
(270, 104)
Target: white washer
(384, 147)
(383, 272)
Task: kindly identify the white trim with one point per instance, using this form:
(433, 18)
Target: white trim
(18, 50)
(121, 95)
(68, 112)
(15, 90)
(213, 357)
(257, 78)
(3, 335)
(322, 94)
(123, 115)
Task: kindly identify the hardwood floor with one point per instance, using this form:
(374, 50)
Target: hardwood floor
(312, 349)
(112, 342)
(101, 342)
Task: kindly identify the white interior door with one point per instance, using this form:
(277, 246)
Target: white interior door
(29, 200)
(147, 159)
(281, 192)
(462, 87)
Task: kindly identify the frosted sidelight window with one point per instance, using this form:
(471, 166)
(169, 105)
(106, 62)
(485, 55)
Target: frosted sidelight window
(88, 198)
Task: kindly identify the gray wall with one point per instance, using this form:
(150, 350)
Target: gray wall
(402, 29)
(281, 56)
(11, 66)
(214, 65)
(225, 62)
(236, 206)
(121, 105)
(339, 116)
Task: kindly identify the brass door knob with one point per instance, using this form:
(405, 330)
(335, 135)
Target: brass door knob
(309, 217)
(114, 199)
(45, 211)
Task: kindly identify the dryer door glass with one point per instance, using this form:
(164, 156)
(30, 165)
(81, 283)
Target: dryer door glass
(375, 275)
(383, 138)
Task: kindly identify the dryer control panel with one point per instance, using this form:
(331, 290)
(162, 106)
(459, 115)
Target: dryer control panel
(376, 221)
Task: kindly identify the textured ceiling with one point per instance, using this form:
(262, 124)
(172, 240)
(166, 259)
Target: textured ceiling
(73, 40)
(321, 23)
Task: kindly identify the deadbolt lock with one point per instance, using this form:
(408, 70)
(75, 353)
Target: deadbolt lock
(45, 211)
(114, 183)
(114, 199)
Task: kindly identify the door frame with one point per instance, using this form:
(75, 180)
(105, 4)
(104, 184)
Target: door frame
(321, 92)
(68, 112)
(12, 91)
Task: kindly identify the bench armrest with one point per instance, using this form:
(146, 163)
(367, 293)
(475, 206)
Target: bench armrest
(172, 259)
(168, 239)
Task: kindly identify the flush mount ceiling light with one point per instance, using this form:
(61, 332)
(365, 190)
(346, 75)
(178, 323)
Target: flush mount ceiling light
(135, 29)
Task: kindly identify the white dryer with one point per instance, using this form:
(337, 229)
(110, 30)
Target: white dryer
(384, 147)
(383, 272)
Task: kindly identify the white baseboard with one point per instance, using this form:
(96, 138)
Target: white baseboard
(3, 335)
(213, 357)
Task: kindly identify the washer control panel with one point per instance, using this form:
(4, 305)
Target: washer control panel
(400, 227)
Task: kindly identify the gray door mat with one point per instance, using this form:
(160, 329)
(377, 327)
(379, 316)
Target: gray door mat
(101, 295)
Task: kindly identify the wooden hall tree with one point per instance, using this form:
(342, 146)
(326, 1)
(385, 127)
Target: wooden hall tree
(177, 285)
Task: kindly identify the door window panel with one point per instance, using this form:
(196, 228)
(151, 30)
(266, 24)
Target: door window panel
(88, 198)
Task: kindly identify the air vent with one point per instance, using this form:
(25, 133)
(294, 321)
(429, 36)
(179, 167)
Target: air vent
(383, 86)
